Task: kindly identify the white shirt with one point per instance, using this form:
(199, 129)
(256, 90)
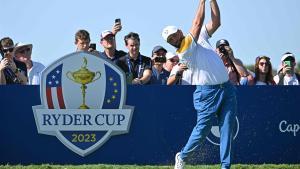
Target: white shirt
(34, 73)
(206, 66)
(186, 75)
(287, 80)
(290, 80)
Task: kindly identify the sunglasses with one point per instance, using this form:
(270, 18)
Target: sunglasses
(109, 38)
(263, 63)
(23, 51)
(8, 50)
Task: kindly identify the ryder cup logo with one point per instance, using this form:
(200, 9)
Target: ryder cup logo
(214, 135)
(82, 102)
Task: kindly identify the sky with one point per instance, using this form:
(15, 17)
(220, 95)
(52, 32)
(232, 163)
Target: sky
(252, 27)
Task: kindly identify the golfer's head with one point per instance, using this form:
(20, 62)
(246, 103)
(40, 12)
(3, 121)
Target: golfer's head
(172, 35)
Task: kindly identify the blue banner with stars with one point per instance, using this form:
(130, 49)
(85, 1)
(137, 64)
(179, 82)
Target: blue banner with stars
(113, 89)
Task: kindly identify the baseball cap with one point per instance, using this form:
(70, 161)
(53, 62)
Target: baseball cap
(157, 48)
(22, 45)
(222, 42)
(167, 31)
(170, 55)
(106, 33)
(7, 42)
(286, 55)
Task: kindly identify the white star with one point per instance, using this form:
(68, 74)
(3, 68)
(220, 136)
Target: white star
(50, 83)
(57, 71)
(57, 82)
(53, 76)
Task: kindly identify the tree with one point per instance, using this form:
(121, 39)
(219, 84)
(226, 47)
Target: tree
(250, 67)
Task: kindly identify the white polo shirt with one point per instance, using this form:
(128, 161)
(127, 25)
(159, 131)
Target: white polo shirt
(34, 73)
(205, 64)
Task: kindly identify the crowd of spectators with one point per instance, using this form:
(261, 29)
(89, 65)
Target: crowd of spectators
(161, 67)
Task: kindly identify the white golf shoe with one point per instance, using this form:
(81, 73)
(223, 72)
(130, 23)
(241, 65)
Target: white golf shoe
(179, 163)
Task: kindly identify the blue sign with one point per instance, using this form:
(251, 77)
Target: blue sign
(268, 126)
(83, 108)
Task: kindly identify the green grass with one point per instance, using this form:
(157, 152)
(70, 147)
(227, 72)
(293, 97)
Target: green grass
(101, 166)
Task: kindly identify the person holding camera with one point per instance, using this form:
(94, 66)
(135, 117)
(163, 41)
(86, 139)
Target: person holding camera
(108, 42)
(214, 96)
(159, 74)
(286, 73)
(172, 60)
(238, 74)
(11, 70)
(22, 53)
(180, 74)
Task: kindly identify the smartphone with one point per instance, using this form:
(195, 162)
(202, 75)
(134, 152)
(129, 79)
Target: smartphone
(93, 46)
(118, 20)
(288, 63)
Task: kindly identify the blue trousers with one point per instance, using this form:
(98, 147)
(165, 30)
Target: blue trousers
(211, 101)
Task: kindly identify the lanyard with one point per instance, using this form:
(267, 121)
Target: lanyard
(130, 68)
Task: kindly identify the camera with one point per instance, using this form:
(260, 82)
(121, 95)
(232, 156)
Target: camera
(118, 20)
(9, 74)
(160, 59)
(223, 50)
(93, 46)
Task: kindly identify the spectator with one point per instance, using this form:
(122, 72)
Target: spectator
(82, 42)
(286, 73)
(11, 71)
(263, 71)
(172, 60)
(159, 74)
(108, 41)
(136, 66)
(238, 74)
(159, 51)
(22, 52)
(180, 74)
(215, 96)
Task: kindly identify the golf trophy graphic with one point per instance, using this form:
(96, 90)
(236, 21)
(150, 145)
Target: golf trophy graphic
(83, 76)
